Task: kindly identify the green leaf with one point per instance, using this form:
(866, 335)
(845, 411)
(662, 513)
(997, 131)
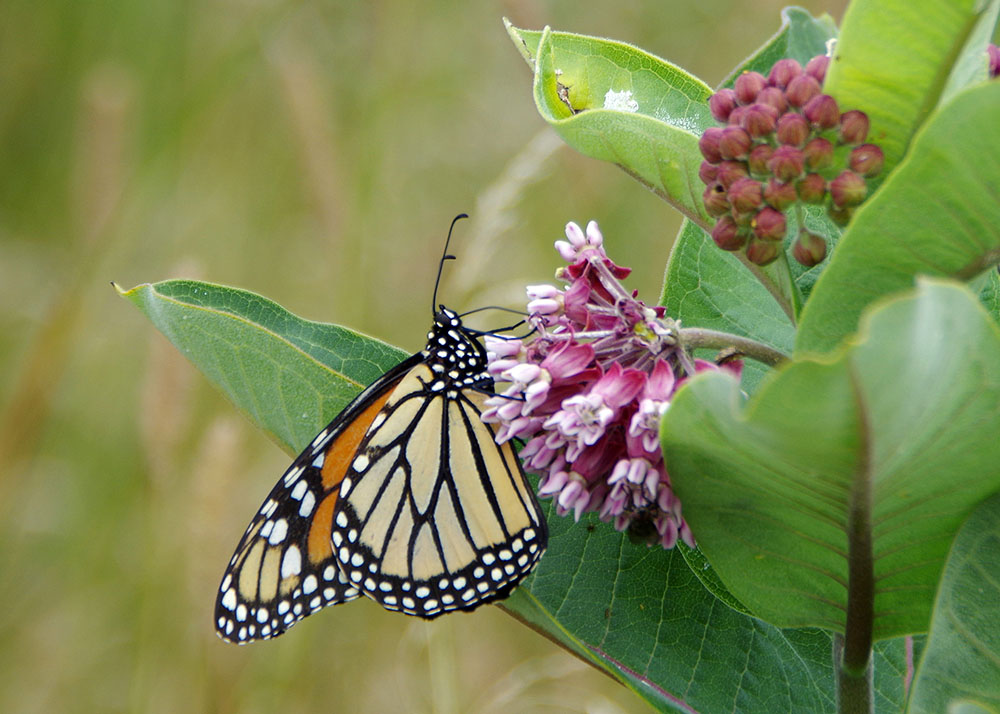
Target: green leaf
(972, 65)
(938, 214)
(990, 295)
(962, 658)
(893, 60)
(643, 615)
(654, 134)
(288, 375)
(894, 441)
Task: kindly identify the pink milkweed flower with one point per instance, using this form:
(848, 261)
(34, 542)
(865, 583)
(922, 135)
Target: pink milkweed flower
(587, 389)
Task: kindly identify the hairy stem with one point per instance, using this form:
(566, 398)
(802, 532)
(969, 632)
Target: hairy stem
(697, 337)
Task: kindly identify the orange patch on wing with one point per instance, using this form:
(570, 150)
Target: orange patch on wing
(318, 544)
(344, 447)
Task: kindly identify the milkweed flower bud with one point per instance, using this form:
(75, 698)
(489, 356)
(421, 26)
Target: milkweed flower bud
(801, 90)
(734, 143)
(708, 172)
(746, 195)
(748, 85)
(848, 189)
(809, 249)
(822, 111)
(994, 56)
(783, 72)
(715, 200)
(759, 120)
(779, 195)
(777, 150)
(709, 144)
(736, 116)
(786, 163)
(811, 188)
(866, 160)
(758, 158)
(769, 225)
(722, 104)
(817, 66)
(762, 252)
(773, 97)
(731, 171)
(818, 154)
(727, 235)
(793, 129)
(853, 127)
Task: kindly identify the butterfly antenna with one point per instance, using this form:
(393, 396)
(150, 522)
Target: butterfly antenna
(444, 257)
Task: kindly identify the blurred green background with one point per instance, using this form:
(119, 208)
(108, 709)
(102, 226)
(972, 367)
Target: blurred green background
(315, 153)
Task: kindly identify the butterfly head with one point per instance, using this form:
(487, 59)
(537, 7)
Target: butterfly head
(454, 353)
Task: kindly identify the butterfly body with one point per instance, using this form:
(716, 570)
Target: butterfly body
(404, 497)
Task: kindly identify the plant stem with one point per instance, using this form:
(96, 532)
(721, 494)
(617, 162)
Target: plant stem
(776, 277)
(854, 690)
(697, 337)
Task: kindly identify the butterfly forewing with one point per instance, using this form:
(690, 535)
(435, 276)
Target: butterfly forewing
(284, 568)
(434, 516)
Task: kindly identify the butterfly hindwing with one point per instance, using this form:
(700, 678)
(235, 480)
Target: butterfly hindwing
(284, 568)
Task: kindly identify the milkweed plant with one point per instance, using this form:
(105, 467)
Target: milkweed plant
(774, 486)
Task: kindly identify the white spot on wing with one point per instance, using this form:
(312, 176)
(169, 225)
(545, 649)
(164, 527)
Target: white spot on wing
(279, 532)
(291, 563)
(307, 504)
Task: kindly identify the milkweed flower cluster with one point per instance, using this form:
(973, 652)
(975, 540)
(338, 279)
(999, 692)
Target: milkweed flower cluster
(784, 142)
(586, 390)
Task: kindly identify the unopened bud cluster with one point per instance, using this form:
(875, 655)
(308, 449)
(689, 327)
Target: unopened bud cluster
(994, 56)
(784, 142)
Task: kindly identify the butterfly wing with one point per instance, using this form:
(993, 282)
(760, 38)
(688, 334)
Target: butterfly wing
(433, 514)
(284, 567)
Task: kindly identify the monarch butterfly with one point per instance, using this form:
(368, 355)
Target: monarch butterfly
(404, 497)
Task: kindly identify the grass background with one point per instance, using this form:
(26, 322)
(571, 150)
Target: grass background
(315, 153)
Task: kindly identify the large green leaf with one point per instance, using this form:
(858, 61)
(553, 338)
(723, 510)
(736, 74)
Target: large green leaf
(891, 443)
(637, 612)
(290, 376)
(938, 214)
(643, 615)
(893, 61)
(962, 657)
(615, 102)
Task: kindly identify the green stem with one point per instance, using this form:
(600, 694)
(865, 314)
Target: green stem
(776, 278)
(696, 337)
